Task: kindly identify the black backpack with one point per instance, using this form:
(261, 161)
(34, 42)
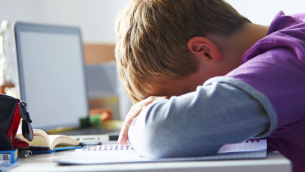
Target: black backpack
(11, 111)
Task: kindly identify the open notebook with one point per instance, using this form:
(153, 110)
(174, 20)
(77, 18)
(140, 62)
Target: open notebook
(109, 154)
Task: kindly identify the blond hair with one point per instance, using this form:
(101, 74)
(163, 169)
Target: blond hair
(152, 35)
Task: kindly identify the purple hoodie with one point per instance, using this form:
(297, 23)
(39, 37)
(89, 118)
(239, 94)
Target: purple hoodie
(275, 66)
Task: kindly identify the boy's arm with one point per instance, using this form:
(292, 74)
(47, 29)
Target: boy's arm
(224, 110)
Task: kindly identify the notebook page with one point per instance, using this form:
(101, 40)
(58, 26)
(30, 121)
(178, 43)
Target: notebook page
(109, 154)
(249, 146)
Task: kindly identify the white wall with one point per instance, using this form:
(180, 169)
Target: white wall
(263, 11)
(94, 17)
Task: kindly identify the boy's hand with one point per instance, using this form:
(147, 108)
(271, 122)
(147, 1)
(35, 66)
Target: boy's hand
(134, 112)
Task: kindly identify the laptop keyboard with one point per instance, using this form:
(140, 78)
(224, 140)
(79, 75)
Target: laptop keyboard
(89, 131)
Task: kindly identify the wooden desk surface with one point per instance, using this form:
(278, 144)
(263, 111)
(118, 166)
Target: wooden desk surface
(274, 163)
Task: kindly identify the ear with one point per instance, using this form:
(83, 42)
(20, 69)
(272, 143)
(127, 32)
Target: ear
(201, 47)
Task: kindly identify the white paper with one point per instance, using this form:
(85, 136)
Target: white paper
(244, 146)
(108, 154)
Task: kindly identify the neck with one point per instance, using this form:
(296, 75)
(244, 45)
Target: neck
(233, 47)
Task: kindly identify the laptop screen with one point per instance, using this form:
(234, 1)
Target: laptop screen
(51, 74)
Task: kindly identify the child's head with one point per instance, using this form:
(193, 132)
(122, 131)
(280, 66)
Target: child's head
(152, 35)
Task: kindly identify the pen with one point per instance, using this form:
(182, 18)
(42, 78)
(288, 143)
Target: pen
(24, 153)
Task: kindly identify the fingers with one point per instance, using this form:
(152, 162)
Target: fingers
(144, 102)
(160, 98)
(124, 130)
(132, 114)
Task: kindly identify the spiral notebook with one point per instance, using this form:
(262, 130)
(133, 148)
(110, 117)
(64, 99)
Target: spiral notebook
(110, 154)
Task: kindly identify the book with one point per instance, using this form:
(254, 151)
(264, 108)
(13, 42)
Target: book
(9, 156)
(109, 154)
(44, 143)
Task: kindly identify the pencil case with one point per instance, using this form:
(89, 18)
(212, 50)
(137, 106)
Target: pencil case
(12, 110)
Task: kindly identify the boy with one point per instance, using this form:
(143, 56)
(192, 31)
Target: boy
(229, 79)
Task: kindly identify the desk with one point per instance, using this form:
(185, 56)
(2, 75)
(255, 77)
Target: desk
(274, 163)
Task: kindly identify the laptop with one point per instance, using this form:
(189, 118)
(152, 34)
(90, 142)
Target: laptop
(52, 79)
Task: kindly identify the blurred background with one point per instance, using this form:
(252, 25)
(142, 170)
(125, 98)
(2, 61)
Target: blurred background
(96, 18)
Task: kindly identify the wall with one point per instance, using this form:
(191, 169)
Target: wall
(94, 17)
(263, 11)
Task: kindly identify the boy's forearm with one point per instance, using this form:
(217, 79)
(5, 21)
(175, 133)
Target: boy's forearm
(199, 123)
